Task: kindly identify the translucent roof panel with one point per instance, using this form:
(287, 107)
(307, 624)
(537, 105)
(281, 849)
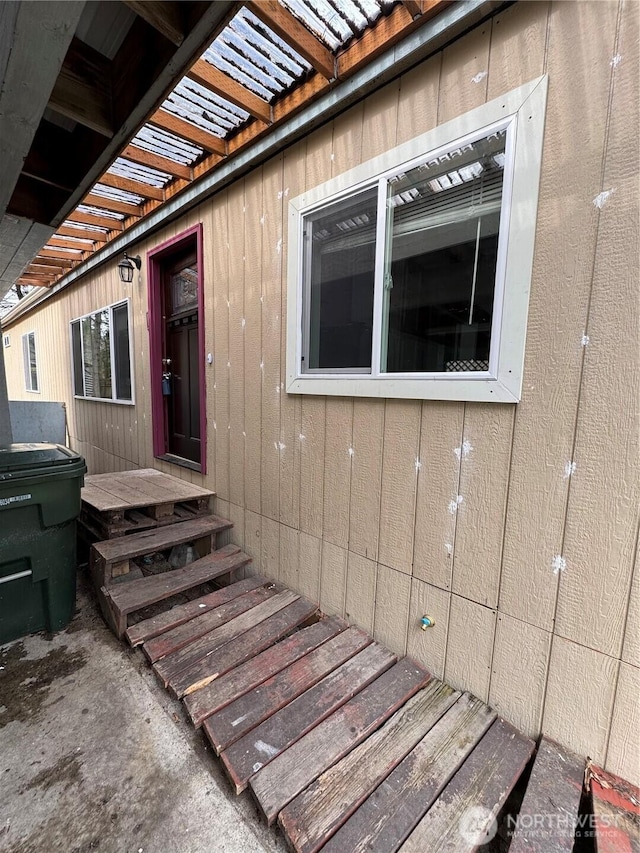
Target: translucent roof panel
(192, 102)
(99, 211)
(116, 194)
(254, 56)
(124, 168)
(165, 144)
(336, 22)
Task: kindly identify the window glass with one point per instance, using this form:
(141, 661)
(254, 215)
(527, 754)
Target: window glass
(339, 262)
(29, 360)
(101, 354)
(121, 352)
(443, 219)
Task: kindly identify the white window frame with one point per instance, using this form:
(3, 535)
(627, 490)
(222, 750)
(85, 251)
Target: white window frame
(109, 308)
(522, 112)
(6, 340)
(27, 362)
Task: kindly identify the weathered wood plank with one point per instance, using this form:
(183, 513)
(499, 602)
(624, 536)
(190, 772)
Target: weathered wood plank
(176, 639)
(316, 813)
(235, 720)
(484, 781)
(616, 809)
(255, 749)
(289, 773)
(202, 701)
(241, 649)
(392, 811)
(168, 668)
(137, 594)
(554, 789)
(182, 613)
(158, 539)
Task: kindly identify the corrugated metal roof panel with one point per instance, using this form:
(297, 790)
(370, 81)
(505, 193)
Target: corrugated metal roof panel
(254, 56)
(124, 168)
(167, 145)
(117, 195)
(336, 22)
(194, 103)
(99, 211)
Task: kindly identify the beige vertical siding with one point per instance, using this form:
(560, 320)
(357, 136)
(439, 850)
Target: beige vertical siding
(387, 510)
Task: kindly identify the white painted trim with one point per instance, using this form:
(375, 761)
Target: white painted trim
(522, 111)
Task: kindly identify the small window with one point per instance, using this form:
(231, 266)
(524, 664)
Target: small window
(30, 362)
(6, 340)
(101, 354)
(409, 276)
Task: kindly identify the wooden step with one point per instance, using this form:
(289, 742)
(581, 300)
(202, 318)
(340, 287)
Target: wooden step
(125, 598)
(228, 725)
(181, 613)
(215, 693)
(242, 648)
(393, 810)
(475, 794)
(554, 787)
(316, 813)
(246, 756)
(110, 558)
(290, 772)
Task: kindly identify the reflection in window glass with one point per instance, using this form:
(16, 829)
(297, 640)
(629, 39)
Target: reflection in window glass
(30, 363)
(443, 219)
(339, 259)
(100, 352)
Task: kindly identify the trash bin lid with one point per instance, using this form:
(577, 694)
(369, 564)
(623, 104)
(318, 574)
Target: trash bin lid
(20, 457)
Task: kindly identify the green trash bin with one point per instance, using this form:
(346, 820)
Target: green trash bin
(39, 502)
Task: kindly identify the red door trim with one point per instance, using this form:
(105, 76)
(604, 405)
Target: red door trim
(155, 258)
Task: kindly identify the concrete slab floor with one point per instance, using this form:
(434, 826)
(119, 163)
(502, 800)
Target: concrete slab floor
(95, 755)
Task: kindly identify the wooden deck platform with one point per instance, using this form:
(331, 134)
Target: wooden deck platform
(131, 501)
(346, 747)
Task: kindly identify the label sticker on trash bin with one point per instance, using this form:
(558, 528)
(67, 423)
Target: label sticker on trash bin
(14, 499)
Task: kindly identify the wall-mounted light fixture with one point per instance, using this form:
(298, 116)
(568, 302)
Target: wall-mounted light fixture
(125, 268)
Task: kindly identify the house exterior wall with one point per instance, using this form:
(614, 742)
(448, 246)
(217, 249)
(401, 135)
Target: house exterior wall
(530, 578)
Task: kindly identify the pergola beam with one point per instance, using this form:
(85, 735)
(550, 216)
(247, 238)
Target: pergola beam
(83, 218)
(41, 261)
(82, 91)
(112, 204)
(83, 234)
(80, 245)
(156, 161)
(165, 17)
(219, 83)
(413, 7)
(289, 28)
(167, 121)
(131, 186)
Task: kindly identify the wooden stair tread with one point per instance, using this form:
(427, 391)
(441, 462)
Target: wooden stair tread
(555, 786)
(316, 813)
(160, 538)
(390, 813)
(259, 746)
(178, 638)
(232, 722)
(616, 811)
(484, 781)
(213, 694)
(181, 613)
(290, 772)
(136, 594)
(242, 648)
(172, 665)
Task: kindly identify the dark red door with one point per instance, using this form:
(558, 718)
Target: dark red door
(181, 362)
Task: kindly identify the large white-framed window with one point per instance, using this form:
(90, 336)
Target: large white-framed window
(102, 355)
(409, 276)
(30, 360)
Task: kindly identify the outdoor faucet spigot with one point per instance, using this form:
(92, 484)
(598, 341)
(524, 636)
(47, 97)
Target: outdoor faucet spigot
(427, 622)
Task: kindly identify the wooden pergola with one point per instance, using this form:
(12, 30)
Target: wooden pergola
(96, 95)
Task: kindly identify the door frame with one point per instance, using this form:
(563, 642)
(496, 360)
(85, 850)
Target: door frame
(156, 259)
